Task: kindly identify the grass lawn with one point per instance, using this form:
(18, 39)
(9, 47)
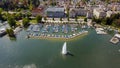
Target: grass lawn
(33, 21)
(81, 17)
(18, 23)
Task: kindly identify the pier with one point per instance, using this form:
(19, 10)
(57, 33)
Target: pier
(115, 39)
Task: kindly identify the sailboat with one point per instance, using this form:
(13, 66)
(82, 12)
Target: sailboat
(64, 49)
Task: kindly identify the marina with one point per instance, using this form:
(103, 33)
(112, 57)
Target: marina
(63, 31)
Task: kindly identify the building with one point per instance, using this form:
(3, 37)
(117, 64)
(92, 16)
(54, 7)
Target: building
(89, 14)
(56, 12)
(38, 11)
(78, 12)
(81, 12)
(99, 13)
(72, 13)
(109, 13)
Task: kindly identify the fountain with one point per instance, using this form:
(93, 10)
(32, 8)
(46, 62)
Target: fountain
(64, 49)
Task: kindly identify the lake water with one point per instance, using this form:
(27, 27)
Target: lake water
(90, 51)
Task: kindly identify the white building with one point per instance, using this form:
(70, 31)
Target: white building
(109, 13)
(99, 13)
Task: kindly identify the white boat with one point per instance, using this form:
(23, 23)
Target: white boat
(64, 48)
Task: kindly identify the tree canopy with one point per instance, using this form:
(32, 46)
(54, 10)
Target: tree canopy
(11, 21)
(10, 32)
(25, 22)
(39, 18)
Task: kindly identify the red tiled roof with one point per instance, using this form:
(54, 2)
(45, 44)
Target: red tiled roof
(37, 10)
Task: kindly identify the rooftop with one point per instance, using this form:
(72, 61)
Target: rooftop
(55, 9)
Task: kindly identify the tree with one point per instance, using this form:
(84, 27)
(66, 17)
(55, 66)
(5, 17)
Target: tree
(68, 14)
(97, 20)
(33, 3)
(68, 18)
(18, 16)
(25, 22)
(11, 21)
(52, 2)
(29, 14)
(1, 13)
(10, 32)
(76, 18)
(61, 19)
(30, 6)
(53, 18)
(93, 19)
(1, 10)
(116, 23)
(109, 21)
(39, 18)
(85, 19)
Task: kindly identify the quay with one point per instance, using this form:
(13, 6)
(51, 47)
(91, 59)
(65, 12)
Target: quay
(44, 36)
(100, 31)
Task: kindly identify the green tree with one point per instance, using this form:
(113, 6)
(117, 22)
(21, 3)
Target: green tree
(93, 19)
(29, 14)
(33, 3)
(98, 21)
(18, 16)
(1, 10)
(109, 21)
(116, 23)
(39, 19)
(11, 21)
(53, 18)
(10, 32)
(52, 2)
(1, 13)
(25, 22)
(76, 18)
(61, 19)
(68, 14)
(30, 6)
(85, 19)
(36, 3)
